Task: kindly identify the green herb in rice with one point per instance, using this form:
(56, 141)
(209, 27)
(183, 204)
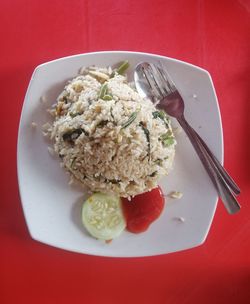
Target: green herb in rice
(131, 118)
(147, 134)
(153, 174)
(102, 123)
(72, 135)
(159, 162)
(162, 115)
(73, 162)
(167, 139)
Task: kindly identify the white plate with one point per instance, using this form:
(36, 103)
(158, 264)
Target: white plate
(52, 208)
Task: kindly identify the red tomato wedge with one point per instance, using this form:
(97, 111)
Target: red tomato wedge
(143, 209)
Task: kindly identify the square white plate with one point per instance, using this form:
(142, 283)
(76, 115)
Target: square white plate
(53, 209)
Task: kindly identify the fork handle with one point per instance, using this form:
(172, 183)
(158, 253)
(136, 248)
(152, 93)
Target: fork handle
(216, 177)
(228, 179)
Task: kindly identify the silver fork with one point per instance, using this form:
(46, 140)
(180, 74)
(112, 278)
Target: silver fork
(154, 82)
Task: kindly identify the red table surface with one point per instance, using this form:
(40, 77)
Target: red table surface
(211, 34)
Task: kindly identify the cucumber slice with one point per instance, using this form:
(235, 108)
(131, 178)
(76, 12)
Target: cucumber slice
(103, 217)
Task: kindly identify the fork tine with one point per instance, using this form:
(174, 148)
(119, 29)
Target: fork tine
(148, 74)
(166, 77)
(159, 85)
(161, 80)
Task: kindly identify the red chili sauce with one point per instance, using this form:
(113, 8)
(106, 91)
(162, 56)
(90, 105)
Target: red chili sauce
(143, 209)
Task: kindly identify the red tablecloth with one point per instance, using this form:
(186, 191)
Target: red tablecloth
(212, 34)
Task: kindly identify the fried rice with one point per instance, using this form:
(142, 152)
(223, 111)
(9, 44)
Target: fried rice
(109, 138)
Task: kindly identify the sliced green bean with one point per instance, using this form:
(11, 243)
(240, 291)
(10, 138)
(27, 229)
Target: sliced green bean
(121, 68)
(107, 97)
(103, 91)
(167, 139)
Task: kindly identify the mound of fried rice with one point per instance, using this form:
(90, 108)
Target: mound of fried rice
(109, 138)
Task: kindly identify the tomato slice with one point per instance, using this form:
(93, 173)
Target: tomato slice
(143, 209)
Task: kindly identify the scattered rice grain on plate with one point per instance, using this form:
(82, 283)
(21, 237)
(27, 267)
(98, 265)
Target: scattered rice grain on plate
(52, 112)
(51, 151)
(82, 70)
(177, 130)
(47, 127)
(71, 181)
(43, 99)
(176, 194)
(179, 219)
